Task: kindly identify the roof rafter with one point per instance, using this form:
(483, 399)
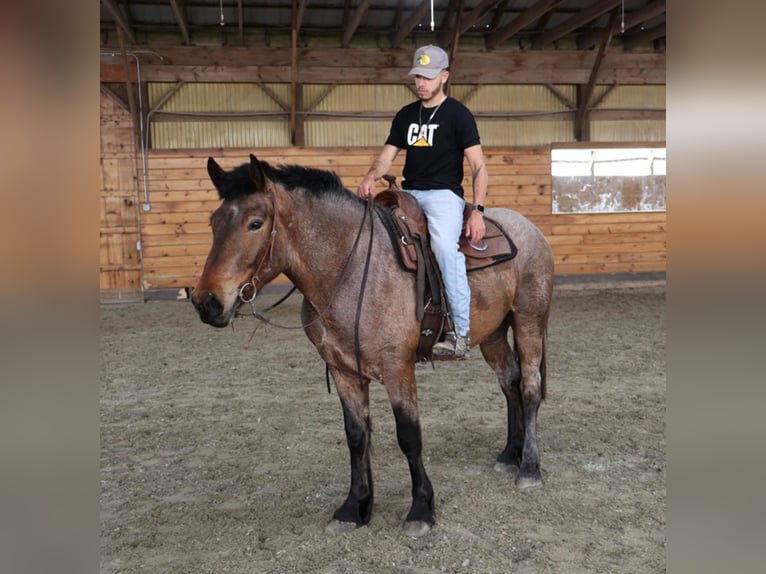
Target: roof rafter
(588, 90)
(409, 24)
(450, 32)
(178, 12)
(353, 24)
(474, 15)
(640, 37)
(120, 19)
(299, 16)
(632, 20)
(521, 21)
(583, 17)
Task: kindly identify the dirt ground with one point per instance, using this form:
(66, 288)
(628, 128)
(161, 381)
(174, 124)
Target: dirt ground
(221, 450)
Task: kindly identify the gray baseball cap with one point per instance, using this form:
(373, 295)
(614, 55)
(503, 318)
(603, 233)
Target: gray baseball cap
(429, 61)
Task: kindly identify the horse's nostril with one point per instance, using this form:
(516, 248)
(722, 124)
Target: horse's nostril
(208, 306)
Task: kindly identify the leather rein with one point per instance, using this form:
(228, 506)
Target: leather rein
(250, 285)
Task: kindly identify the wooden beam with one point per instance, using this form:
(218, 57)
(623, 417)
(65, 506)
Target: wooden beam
(453, 42)
(497, 17)
(477, 13)
(581, 18)
(115, 97)
(120, 19)
(301, 14)
(597, 102)
(178, 12)
(632, 20)
(166, 97)
(414, 18)
(274, 96)
(293, 74)
(469, 94)
(582, 112)
(520, 22)
(569, 104)
(353, 24)
(365, 66)
(446, 26)
(642, 37)
(241, 21)
(321, 96)
(129, 86)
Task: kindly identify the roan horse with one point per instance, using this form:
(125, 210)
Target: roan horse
(303, 223)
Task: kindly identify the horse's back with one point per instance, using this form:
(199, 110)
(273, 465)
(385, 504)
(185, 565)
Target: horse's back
(531, 272)
(529, 239)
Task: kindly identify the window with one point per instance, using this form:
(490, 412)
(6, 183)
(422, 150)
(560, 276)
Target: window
(608, 180)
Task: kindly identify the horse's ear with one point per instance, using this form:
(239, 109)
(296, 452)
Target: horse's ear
(215, 172)
(256, 173)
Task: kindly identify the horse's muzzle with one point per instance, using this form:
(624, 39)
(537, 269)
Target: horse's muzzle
(210, 309)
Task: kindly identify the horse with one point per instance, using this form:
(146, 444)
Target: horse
(359, 312)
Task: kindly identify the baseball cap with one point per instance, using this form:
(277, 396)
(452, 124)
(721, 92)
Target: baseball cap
(429, 61)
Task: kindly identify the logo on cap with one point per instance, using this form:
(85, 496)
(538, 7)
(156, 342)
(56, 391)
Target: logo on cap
(423, 60)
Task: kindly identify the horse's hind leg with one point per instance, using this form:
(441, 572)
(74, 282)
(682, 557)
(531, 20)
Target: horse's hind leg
(529, 340)
(402, 393)
(355, 399)
(500, 357)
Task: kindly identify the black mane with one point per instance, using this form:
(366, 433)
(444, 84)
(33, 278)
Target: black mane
(318, 182)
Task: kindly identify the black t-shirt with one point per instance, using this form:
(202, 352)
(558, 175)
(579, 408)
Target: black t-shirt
(434, 147)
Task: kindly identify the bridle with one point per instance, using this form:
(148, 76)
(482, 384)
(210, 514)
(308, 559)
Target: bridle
(267, 257)
(249, 298)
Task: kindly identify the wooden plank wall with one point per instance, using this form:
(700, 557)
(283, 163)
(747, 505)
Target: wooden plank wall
(120, 265)
(176, 235)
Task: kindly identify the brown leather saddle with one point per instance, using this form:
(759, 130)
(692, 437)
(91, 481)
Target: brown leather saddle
(406, 224)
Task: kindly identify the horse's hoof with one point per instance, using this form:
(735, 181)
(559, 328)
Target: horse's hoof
(338, 527)
(528, 482)
(506, 468)
(416, 528)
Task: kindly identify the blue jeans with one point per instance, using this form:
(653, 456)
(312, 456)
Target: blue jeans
(444, 214)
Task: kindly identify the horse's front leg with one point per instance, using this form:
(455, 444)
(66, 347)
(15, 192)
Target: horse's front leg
(402, 392)
(355, 400)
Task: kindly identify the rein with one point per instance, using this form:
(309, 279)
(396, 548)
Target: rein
(245, 298)
(357, 349)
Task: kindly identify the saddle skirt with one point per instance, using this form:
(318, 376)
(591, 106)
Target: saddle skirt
(409, 225)
(406, 224)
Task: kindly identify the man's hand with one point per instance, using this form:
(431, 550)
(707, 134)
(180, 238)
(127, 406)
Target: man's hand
(367, 187)
(475, 228)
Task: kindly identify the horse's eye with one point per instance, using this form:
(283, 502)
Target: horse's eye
(254, 225)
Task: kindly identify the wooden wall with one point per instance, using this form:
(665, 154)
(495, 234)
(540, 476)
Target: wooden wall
(176, 235)
(120, 265)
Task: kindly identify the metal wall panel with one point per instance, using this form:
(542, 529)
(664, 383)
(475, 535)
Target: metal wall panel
(643, 97)
(226, 134)
(515, 133)
(332, 133)
(526, 98)
(358, 98)
(219, 97)
(359, 109)
(628, 130)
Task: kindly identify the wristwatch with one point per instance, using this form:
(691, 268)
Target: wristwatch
(479, 207)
